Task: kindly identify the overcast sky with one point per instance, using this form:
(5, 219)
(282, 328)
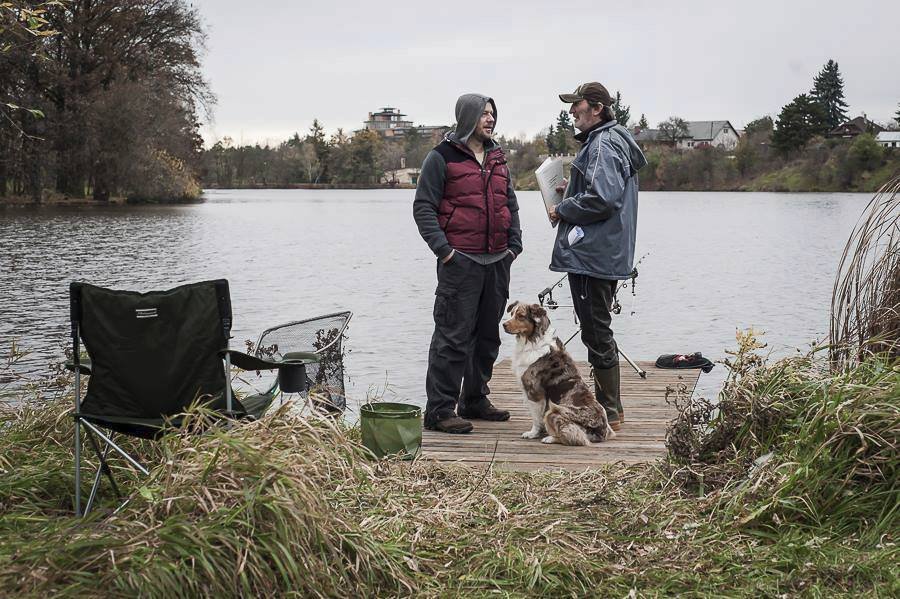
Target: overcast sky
(275, 66)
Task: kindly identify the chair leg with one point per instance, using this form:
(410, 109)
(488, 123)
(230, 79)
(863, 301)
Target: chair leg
(96, 485)
(102, 469)
(77, 467)
(92, 430)
(77, 432)
(117, 449)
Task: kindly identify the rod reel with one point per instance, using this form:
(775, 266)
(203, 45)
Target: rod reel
(546, 300)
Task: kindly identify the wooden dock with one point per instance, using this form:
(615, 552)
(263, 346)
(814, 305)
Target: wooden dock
(642, 438)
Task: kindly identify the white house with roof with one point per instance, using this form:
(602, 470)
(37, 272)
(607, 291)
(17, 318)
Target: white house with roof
(717, 134)
(888, 139)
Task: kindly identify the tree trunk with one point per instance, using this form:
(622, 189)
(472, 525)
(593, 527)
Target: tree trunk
(31, 170)
(5, 156)
(100, 179)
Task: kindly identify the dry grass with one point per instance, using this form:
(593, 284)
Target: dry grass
(793, 443)
(865, 305)
(291, 506)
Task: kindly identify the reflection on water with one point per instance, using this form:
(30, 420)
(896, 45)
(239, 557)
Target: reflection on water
(716, 262)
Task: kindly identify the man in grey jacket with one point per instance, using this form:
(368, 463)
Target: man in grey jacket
(597, 228)
(467, 213)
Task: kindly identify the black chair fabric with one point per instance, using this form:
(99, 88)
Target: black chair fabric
(152, 354)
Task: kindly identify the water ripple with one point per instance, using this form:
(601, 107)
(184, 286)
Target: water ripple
(718, 261)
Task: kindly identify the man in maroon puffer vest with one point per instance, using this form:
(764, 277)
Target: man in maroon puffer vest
(467, 212)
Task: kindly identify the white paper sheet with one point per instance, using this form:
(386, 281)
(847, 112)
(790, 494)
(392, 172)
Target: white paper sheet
(549, 177)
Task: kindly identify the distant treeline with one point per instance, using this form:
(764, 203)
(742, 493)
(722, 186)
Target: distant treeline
(100, 99)
(858, 164)
(103, 99)
(366, 159)
(790, 153)
(363, 159)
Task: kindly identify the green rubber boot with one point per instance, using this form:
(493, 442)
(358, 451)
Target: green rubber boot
(606, 388)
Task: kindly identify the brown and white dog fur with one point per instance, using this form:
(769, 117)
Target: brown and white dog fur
(560, 403)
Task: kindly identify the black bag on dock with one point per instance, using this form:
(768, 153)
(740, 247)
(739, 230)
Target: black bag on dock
(695, 360)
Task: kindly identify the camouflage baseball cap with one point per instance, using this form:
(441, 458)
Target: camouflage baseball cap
(593, 92)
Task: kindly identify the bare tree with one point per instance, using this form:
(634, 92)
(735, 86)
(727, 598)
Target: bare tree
(111, 61)
(310, 160)
(673, 129)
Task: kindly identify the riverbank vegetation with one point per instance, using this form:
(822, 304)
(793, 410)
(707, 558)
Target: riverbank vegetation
(837, 165)
(100, 99)
(788, 489)
(785, 485)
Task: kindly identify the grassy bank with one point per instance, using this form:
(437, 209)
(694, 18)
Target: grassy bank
(788, 489)
(60, 200)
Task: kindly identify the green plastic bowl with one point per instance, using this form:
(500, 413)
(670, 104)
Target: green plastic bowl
(391, 429)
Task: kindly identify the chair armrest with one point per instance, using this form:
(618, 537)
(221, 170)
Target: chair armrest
(245, 361)
(301, 356)
(84, 366)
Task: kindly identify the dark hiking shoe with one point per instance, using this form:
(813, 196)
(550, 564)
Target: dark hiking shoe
(453, 425)
(486, 412)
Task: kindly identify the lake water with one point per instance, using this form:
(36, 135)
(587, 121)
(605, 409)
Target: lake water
(715, 262)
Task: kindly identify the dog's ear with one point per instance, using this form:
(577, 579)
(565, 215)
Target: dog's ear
(537, 312)
(512, 307)
(540, 319)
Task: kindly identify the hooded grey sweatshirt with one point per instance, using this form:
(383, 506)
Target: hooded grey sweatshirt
(469, 109)
(430, 186)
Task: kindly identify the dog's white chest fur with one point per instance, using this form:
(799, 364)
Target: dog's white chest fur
(529, 352)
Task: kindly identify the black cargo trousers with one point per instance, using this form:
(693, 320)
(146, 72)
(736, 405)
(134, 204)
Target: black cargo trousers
(469, 302)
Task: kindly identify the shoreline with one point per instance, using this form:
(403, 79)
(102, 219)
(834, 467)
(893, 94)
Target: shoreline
(57, 200)
(336, 186)
(61, 201)
(68, 202)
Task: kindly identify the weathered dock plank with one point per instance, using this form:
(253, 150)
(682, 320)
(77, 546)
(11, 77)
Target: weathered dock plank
(642, 438)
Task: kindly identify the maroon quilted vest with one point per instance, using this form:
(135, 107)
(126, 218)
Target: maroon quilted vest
(473, 212)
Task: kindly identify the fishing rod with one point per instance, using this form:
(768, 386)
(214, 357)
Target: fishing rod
(546, 299)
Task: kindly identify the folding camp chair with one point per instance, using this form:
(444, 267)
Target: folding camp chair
(152, 355)
(322, 336)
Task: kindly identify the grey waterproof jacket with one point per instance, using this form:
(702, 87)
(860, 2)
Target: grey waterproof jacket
(602, 199)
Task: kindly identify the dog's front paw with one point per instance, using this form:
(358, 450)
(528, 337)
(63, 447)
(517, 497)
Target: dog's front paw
(549, 439)
(532, 434)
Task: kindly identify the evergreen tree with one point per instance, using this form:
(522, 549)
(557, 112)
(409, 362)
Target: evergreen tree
(564, 132)
(761, 125)
(621, 111)
(798, 122)
(643, 124)
(551, 141)
(365, 150)
(897, 115)
(317, 138)
(564, 122)
(865, 154)
(828, 90)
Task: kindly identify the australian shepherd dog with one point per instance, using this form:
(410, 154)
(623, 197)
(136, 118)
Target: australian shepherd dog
(563, 408)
